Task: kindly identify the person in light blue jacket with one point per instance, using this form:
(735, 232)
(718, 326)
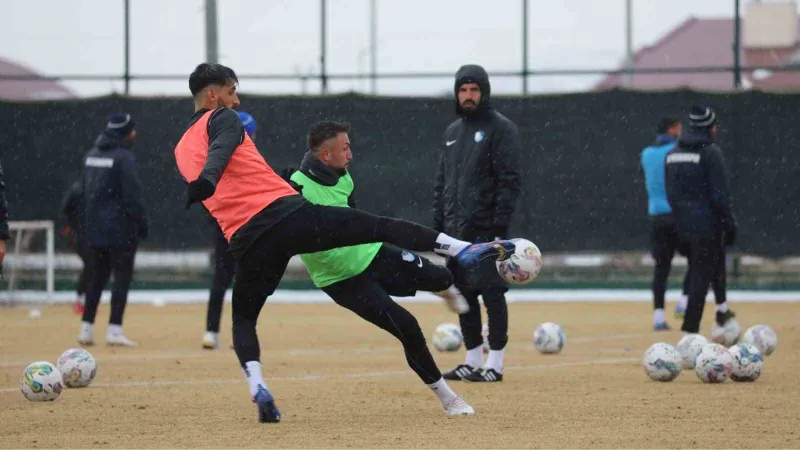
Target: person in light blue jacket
(663, 232)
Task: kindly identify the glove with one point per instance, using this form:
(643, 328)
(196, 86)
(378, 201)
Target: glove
(198, 190)
(287, 173)
(296, 186)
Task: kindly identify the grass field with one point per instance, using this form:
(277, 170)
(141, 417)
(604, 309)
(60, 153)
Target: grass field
(342, 383)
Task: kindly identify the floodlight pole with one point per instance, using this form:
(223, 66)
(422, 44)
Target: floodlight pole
(212, 41)
(737, 63)
(127, 50)
(524, 47)
(323, 32)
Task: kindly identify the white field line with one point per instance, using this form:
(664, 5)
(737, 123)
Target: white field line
(609, 361)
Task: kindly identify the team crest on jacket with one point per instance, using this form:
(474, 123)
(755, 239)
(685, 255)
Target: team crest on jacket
(479, 136)
(407, 256)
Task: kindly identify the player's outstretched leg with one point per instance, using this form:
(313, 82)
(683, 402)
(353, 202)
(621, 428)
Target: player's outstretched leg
(370, 301)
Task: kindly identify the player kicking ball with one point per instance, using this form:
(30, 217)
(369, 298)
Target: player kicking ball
(363, 278)
(267, 222)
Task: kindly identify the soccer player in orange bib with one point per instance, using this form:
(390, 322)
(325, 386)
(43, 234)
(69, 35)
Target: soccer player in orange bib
(266, 221)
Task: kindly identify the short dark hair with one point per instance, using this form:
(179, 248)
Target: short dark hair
(667, 123)
(206, 74)
(322, 131)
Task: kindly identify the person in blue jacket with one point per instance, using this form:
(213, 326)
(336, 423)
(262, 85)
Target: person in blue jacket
(114, 221)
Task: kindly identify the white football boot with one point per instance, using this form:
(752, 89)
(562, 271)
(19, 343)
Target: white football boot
(86, 337)
(210, 340)
(119, 340)
(458, 407)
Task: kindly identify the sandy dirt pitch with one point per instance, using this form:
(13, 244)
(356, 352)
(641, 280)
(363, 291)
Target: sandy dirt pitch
(342, 383)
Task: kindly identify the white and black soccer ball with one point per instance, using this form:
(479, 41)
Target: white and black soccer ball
(727, 334)
(747, 362)
(549, 337)
(714, 363)
(78, 367)
(763, 337)
(523, 265)
(662, 362)
(447, 337)
(689, 347)
(41, 382)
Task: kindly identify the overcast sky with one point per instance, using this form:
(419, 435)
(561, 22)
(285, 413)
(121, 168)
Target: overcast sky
(57, 37)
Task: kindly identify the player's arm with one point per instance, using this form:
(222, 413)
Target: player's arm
(719, 191)
(506, 153)
(225, 133)
(131, 194)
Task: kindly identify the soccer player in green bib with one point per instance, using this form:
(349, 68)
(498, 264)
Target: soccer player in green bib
(362, 278)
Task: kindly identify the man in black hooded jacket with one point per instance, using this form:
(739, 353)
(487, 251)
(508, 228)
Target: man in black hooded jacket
(115, 221)
(699, 193)
(476, 191)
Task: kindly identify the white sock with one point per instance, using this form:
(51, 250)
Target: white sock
(684, 300)
(722, 307)
(495, 360)
(443, 391)
(449, 246)
(115, 330)
(658, 316)
(475, 357)
(252, 371)
(86, 327)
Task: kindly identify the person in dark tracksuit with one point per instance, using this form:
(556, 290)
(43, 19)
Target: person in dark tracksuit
(72, 207)
(699, 194)
(115, 221)
(4, 233)
(476, 191)
(224, 264)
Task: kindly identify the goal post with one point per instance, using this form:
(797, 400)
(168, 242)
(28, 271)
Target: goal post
(21, 255)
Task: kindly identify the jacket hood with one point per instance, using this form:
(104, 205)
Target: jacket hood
(315, 169)
(694, 138)
(109, 141)
(473, 73)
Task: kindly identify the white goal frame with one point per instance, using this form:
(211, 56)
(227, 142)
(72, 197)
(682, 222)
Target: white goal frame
(17, 230)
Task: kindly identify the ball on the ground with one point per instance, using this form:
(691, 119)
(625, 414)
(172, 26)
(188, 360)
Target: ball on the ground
(714, 363)
(727, 334)
(522, 266)
(447, 337)
(41, 382)
(77, 367)
(662, 362)
(549, 337)
(689, 347)
(747, 362)
(763, 337)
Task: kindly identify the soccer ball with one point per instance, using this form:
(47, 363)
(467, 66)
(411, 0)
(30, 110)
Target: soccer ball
(523, 265)
(485, 336)
(762, 336)
(714, 364)
(662, 362)
(689, 347)
(78, 367)
(549, 338)
(447, 337)
(41, 382)
(747, 362)
(727, 334)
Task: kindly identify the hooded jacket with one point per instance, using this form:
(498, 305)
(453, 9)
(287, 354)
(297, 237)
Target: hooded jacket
(113, 209)
(477, 180)
(697, 187)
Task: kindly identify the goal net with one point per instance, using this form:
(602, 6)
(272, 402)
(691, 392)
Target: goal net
(29, 266)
